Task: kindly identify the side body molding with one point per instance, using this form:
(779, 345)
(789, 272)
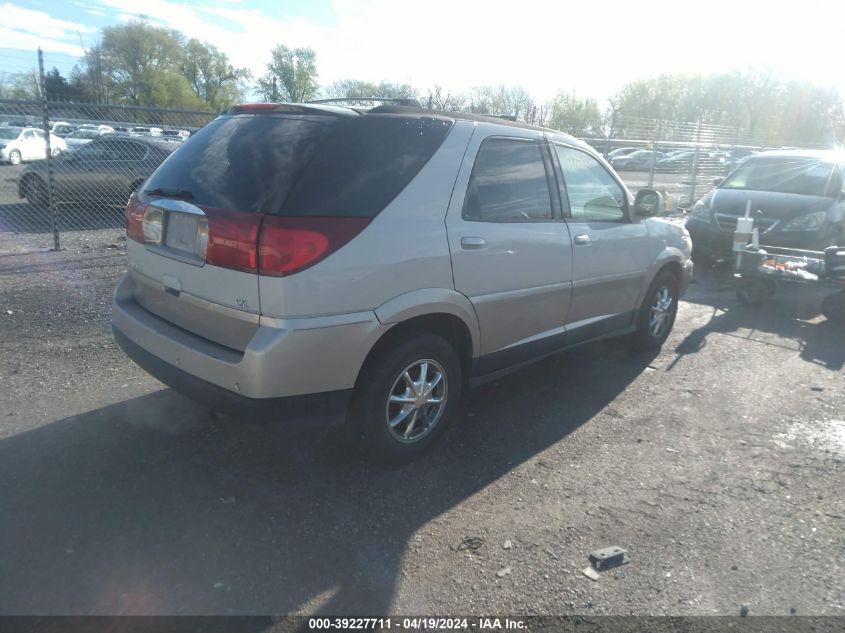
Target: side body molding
(427, 301)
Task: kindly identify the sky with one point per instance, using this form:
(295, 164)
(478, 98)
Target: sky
(589, 47)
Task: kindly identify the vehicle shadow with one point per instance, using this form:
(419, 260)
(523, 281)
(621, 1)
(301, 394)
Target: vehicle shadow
(154, 506)
(789, 319)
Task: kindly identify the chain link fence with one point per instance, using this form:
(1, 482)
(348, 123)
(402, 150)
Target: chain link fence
(78, 176)
(66, 168)
(682, 159)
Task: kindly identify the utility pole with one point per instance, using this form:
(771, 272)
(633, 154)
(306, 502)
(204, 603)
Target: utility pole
(45, 122)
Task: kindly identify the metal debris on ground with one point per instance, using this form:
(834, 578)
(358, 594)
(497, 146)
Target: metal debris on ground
(471, 543)
(608, 557)
(590, 573)
(507, 545)
(503, 572)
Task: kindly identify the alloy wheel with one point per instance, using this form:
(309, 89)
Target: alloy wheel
(661, 310)
(417, 400)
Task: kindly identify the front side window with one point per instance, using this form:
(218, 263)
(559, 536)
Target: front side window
(92, 151)
(126, 150)
(508, 183)
(594, 196)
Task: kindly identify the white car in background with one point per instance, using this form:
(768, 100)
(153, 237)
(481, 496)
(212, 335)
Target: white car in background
(62, 128)
(102, 129)
(18, 144)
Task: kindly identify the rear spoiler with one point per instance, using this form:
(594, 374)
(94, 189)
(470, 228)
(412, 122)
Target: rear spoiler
(355, 100)
(290, 108)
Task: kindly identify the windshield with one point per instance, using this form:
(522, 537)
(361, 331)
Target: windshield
(780, 174)
(89, 134)
(9, 133)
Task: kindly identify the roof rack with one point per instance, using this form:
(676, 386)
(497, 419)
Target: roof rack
(404, 102)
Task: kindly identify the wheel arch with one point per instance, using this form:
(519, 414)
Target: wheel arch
(445, 320)
(670, 259)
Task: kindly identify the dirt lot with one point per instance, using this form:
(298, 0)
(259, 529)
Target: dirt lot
(717, 464)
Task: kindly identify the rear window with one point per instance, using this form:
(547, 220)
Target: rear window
(365, 164)
(245, 163)
(302, 165)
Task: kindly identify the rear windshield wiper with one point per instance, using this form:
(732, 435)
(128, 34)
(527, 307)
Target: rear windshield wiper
(184, 194)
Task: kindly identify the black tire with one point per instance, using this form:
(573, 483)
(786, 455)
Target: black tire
(754, 293)
(382, 377)
(833, 307)
(36, 193)
(14, 157)
(648, 336)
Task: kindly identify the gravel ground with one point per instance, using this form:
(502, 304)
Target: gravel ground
(718, 465)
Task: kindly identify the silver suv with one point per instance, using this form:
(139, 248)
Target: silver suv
(364, 267)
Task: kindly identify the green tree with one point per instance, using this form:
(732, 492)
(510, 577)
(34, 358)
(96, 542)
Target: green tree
(291, 75)
(356, 88)
(19, 85)
(140, 64)
(58, 88)
(211, 76)
(500, 100)
(440, 99)
(575, 116)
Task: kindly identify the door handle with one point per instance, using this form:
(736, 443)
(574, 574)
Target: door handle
(473, 243)
(581, 240)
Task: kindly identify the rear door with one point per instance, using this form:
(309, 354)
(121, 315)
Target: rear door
(511, 252)
(611, 249)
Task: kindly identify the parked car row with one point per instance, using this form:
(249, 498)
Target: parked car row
(676, 161)
(64, 129)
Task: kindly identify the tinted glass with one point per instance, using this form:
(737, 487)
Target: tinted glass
(365, 164)
(786, 174)
(593, 194)
(244, 162)
(95, 150)
(508, 183)
(9, 132)
(126, 150)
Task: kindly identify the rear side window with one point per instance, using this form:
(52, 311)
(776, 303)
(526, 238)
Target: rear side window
(508, 183)
(364, 165)
(244, 163)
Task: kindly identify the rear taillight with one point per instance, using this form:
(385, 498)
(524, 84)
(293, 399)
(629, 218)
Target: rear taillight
(291, 244)
(250, 242)
(232, 239)
(133, 217)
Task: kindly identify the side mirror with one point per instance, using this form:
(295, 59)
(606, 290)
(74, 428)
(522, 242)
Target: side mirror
(648, 203)
(718, 181)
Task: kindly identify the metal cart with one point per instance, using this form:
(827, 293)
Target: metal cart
(760, 269)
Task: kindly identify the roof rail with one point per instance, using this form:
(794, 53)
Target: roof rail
(404, 102)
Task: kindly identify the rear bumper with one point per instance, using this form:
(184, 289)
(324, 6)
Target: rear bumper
(311, 359)
(318, 409)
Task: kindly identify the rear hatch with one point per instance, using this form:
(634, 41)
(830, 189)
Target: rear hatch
(265, 191)
(193, 247)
